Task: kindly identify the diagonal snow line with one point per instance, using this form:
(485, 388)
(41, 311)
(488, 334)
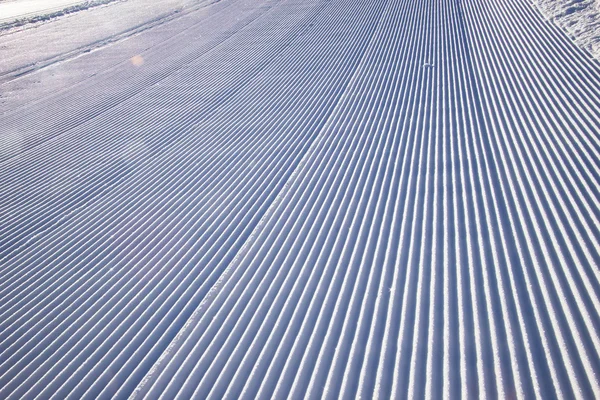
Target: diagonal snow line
(319, 139)
(215, 289)
(274, 247)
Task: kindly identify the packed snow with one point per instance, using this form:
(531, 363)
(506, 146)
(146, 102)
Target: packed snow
(20, 12)
(30, 55)
(299, 199)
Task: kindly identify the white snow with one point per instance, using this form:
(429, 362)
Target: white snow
(579, 18)
(299, 198)
(30, 9)
(29, 54)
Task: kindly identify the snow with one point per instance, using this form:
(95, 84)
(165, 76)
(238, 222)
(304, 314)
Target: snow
(579, 18)
(299, 198)
(20, 8)
(19, 12)
(29, 55)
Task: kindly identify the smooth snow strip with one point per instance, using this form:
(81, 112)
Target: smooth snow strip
(377, 199)
(20, 8)
(20, 12)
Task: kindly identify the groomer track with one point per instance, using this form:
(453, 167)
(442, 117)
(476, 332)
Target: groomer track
(310, 198)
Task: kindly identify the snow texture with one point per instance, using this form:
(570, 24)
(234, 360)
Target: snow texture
(18, 13)
(579, 18)
(301, 198)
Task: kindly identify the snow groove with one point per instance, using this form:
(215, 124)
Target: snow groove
(391, 198)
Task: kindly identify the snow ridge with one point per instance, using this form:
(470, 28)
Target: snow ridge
(323, 198)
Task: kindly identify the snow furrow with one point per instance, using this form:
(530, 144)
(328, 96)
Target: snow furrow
(324, 198)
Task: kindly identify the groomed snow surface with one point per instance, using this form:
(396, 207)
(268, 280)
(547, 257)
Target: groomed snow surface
(304, 198)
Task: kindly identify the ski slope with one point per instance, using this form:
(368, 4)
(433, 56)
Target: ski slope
(579, 18)
(306, 198)
(20, 12)
(14, 9)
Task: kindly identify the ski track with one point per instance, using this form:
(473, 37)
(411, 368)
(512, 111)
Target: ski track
(321, 199)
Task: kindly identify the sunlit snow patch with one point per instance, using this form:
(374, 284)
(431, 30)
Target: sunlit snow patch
(20, 12)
